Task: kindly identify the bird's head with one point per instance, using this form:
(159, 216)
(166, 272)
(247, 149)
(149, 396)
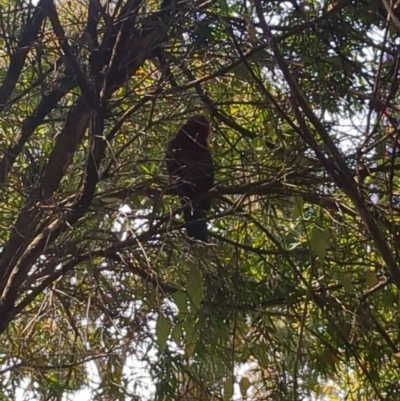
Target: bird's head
(197, 128)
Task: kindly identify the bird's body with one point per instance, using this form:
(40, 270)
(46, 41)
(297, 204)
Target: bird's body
(190, 166)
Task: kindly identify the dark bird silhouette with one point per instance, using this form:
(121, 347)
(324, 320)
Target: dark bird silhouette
(190, 167)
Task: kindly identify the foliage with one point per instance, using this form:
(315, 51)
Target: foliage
(296, 296)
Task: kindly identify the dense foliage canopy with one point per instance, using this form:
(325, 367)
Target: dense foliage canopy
(296, 296)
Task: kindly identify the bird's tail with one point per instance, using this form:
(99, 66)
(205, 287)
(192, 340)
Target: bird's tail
(194, 216)
(196, 225)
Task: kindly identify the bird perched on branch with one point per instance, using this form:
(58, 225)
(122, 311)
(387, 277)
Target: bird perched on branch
(191, 169)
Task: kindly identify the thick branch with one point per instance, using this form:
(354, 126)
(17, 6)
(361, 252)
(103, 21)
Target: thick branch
(79, 75)
(26, 241)
(47, 104)
(29, 36)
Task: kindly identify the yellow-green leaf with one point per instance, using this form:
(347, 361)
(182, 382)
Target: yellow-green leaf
(370, 278)
(347, 284)
(244, 385)
(228, 388)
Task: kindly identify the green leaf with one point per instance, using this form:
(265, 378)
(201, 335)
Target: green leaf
(245, 354)
(224, 6)
(195, 287)
(319, 241)
(329, 360)
(177, 333)
(163, 329)
(180, 299)
(260, 353)
(298, 203)
(251, 29)
(242, 72)
(191, 337)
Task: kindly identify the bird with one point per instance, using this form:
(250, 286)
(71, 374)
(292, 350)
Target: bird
(191, 169)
